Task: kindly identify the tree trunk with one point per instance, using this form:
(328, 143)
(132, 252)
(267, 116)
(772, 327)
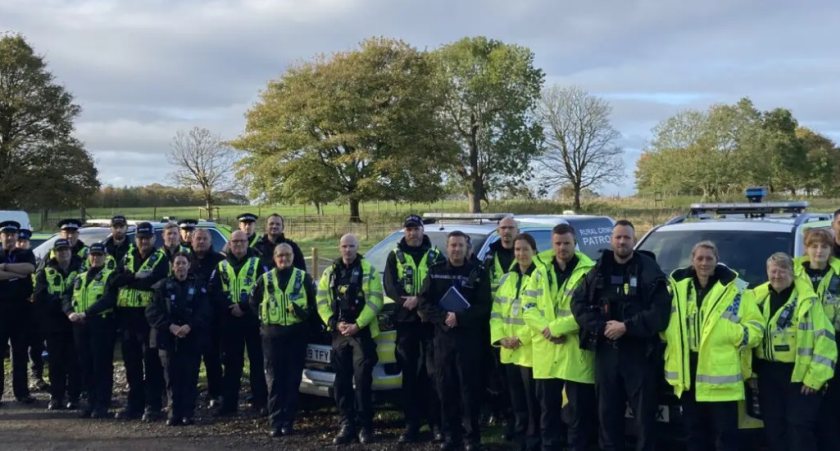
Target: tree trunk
(577, 198)
(354, 211)
(476, 194)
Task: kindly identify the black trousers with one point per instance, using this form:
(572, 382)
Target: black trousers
(354, 359)
(552, 428)
(580, 414)
(495, 396)
(36, 338)
(94, 341)
(415, 355)
(13, 324)
(180, 370)
(828, 422)
(212, 357)
(239, 334)
(526, 409)
(65, 373)
(626, 376)
(142, 362)
(284, 358)
(710, 425)
(790, 418)
(458, 363)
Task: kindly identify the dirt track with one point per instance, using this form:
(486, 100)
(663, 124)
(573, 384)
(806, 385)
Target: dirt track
(33, 427)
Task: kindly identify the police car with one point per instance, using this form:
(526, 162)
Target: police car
(746, 234)
(593, 234)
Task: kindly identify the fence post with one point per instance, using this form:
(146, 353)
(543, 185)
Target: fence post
(314, 262)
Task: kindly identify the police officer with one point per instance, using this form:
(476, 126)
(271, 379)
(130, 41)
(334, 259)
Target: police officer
(117, 245)
(405, 271)
(230, 288)
(796, 359)
(509, 332)
(179, 316)
(187, 227)
(24, 235)
(621, 307)
(558, 361)
(349, 300)
(458, 335)
(285, 300)
(274, 226)
(498, 261)
(143, 267)
(248, 224)
(835, 226)
(16, 268)
(204, 263)
(69, 230)
(172, 241)
(51, 282)
(822, 271)
(89, 304)
(711, 324)
(35, 335)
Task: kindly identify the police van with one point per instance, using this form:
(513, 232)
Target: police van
(746, 234)
(593, 234)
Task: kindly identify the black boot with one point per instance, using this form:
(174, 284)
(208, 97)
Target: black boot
(345, 435)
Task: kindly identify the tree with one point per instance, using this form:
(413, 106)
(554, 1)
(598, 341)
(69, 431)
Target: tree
(203, 163)
(491, 90)
(36, 142)
(580, 141)
(721, 151)
(823, 161)
(358, 125)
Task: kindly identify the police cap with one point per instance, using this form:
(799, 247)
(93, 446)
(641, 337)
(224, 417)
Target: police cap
(24, 234)
(9, 226)
(118, 220)
(69, 224)
(413, 221)
(97, 249)
(248, 217)
(145, 230)
(188, 224)
(61, 243)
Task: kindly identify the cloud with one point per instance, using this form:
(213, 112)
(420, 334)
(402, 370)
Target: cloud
(143, 70)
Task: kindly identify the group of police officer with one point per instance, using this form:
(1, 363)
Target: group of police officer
(595, 336)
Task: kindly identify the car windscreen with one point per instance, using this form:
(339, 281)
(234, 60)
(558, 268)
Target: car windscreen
(744, 251)
(378, 254)
(87, 235)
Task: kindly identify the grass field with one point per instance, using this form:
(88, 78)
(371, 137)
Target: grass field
(306, 226)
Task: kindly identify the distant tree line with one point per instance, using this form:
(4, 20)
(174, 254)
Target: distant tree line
(156, 195)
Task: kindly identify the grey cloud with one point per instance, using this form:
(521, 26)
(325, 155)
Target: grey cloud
(143, 70)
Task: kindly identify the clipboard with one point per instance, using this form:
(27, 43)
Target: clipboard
(453, 301)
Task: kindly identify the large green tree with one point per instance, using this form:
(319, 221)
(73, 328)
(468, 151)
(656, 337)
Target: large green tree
(718, 152)
(491, 90)
(41, 164)
(355, 126)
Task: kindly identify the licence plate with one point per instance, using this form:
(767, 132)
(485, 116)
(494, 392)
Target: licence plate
(318, 353)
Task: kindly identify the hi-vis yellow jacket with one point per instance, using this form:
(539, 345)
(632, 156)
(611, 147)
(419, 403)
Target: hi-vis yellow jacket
(828, 289)
(806, 339)
(549, 304)
(506, 316)
(722, 331)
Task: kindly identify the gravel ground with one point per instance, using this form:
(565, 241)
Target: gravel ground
(33, 427)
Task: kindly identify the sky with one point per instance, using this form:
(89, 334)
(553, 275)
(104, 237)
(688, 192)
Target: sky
(143, 70)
